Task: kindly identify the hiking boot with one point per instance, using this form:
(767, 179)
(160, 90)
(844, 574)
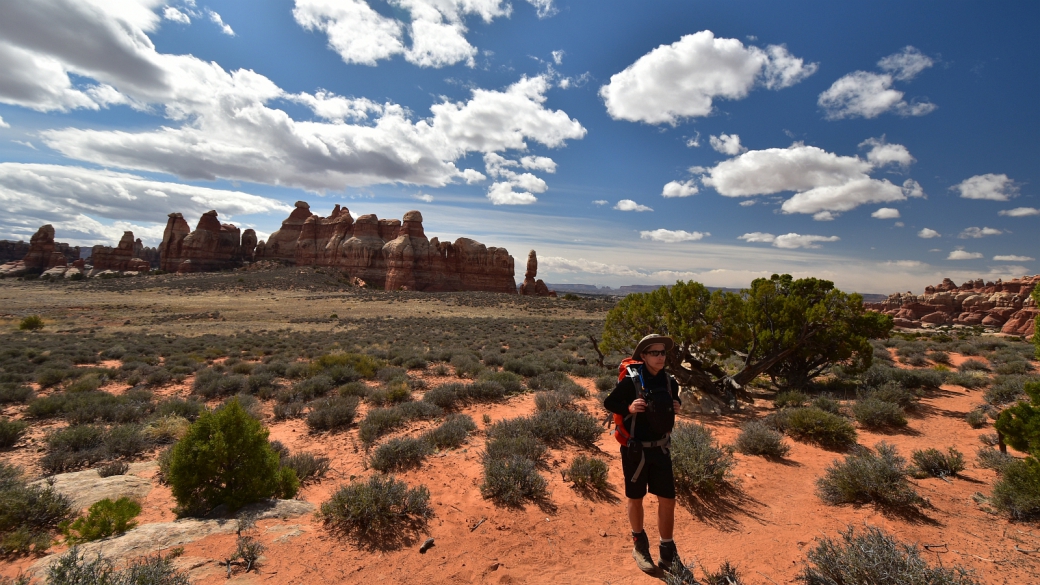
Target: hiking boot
(669, 557)
(641, 552)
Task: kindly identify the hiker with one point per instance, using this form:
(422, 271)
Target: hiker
(645, 401)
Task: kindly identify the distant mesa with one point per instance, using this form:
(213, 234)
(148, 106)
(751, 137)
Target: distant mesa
(1003, 306)
(392, 253)
(531, 286)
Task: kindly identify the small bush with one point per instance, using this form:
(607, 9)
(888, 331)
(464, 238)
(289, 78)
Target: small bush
(935, 463)
(307, 466)
(1017, 492)
(512, 480)
(377, 510)
(166, 429)
(31, 323)
(283, 411)
(940, 357)
(874, 557)
(510, 382)
(971, 381)
(312, 388)
(445, 396)
(451, 433)
(334, 412)
(400, 454)
(225, 459)
(11, 432)
(556, 426)
(557, 382)
(15, 393)
(726, 574)
(757, 438)
(588, 474)
(1006, 389)
(104, 518)
(126, 441)
(817, 426)
(554, 400)
(187, 409)
(525, 368)
(606, 383)
(378, 422)
(973, 366)
(483, 391)
(893, 393)
(366, 366)
(358, 389)
(866, 477)
(505, 446)
(698, 462)
(73, 447)
(113, 469)
(74, 568)
(28, 514)
(875, 413)
(86, 383)
(976, 419)
(394, 393)
(826, 404)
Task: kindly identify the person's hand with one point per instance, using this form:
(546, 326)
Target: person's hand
(675, 406)
(639, 405)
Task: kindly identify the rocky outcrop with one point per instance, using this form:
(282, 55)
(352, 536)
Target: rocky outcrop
(11, 251)
(248, 245)
(1004, 306)
(43, 254)
(211, 246)
(121, 258)
(531, 285)
(282, 243)
(170, 254)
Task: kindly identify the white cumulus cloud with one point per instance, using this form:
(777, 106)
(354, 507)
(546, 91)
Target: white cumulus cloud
(975, 232)
(1019, 212)
(503, 194)
(680, 188)
(963, 255)
(727, 144)
(1013, 258)
(886, 213)
(224, 28)
(991, 187)
(4, 124)
(672, 236)
(171, 13)
(629, 205)
(681, 80)
(424, 197)
(928, 233)
(788, 241)
(868, 95)
(882, 153)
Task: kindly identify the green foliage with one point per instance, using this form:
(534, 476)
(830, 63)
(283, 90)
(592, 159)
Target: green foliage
(225, 459)
(757, 438)
(74, 447)
(333, 412)
(510, 481)
(306, 466)
(588, 474)
(699, 464)
(1017, 492)
(104, 518)
(451, 433)
(874, 557)
(935, 463)
(395, 392)
(866, 477)
(554, 400)
(11, 431)
(813, 425)
(365, 366)
(790, 398)
(28, 514)
(75, 568)
(31, 323)
(400, 454)
(976, 419)
(874, 413)
(377, 511)
(1020, 424)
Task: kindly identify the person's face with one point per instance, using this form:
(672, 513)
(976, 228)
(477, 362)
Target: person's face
(653, 357)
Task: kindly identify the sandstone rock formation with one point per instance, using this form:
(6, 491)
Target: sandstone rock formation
(1004, 306)
(212, 246)
(122, 258)
(531, 286)
(42, 255)
(282, 243)
(11, 251)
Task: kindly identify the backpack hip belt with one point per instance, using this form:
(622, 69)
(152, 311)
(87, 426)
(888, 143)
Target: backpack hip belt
(664, 444)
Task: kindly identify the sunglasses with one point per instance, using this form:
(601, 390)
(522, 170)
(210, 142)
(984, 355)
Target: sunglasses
(655, 353)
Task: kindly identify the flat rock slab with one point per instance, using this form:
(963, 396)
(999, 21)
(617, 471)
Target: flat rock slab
(87, 487)
(151, 538)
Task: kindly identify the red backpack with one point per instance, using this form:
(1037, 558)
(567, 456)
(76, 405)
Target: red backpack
(622, 434)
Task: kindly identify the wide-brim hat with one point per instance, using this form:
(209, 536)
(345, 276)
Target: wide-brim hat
(649, 340)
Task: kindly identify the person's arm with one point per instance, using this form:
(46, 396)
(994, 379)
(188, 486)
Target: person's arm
(621, 397)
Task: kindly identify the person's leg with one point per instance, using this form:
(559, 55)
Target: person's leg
(635, 514)
(665, 516)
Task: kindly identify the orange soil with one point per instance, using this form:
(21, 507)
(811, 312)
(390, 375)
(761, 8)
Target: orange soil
(765, 525)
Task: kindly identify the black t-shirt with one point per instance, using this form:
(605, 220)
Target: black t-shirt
(624, 394)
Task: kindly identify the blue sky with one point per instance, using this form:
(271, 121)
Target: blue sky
(881, 145)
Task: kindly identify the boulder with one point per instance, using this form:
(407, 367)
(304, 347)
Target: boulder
(87, 487)
(936, 318)
(1021, 323)
(41, 250)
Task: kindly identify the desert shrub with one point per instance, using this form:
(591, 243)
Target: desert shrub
(556, 382)
(445, 396)
(556, 426)
(377, 510)
(225, 459)
(971, 381)
(262, 384)
(126, 441)
(699, 463)
(400, 454)
(28, 514)
(510, 481)
(158, 377)
(51, 376)
(418, 410)
(451, 433)
(75, 568)
(790, 398)
(726, 574)
(483, 391)
(510, 382)
(393, 393)
(104, 518)
(554, 400)
(312, 388)
(940, 357)
(1007, 389)
(187, 409)
(31, 323)
(85, 383)
(333, 412)
(935, 463)
(868, 477)
(466, 365)
(390, 373)
(245, 368)
(1017, 492)
(378, 422)
(306, 466)
(588, 474)
(15, 393)
(976, 418)
(297, 370)
(875, 413)
(166, 429)
(358, 389)
(757, 438)
(11, 431)
(606, 383)
(893, 393)
(73, 447)
(813, 425)
(365, 366)
(826, 404)
(874, 557)
(973, 365)
(113, 469)
(523, 367)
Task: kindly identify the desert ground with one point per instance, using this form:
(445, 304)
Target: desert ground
(763, 522)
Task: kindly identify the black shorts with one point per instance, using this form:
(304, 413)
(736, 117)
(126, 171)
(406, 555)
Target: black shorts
(655, 477)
